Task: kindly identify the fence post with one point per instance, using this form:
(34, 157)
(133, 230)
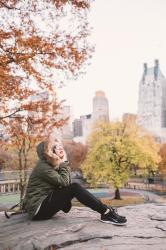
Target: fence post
(9, 186)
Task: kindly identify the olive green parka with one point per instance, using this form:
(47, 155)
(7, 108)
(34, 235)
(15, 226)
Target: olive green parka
(44, 179)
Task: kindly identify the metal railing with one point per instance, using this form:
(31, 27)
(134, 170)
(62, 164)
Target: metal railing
(10, 183)
(146, 186)
(10, 186)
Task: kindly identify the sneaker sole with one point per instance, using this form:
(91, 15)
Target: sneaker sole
(114, 223)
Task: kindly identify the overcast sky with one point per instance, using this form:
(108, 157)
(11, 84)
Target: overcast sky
(126, 33)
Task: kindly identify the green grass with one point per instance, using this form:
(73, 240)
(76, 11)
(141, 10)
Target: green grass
(9, 199)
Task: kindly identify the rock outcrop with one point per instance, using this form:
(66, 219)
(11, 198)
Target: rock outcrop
(81, 229)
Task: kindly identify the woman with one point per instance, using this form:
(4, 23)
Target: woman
(50, 189)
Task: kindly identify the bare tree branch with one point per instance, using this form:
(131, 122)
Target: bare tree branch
(10, 115)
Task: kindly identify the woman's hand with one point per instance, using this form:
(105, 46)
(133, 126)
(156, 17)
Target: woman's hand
(54, 152)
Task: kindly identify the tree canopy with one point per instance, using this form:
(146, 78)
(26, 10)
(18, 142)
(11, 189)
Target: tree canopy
(114, 148)
(76, 153)
(41, 43)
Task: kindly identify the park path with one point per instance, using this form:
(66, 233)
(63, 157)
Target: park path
(148, 195)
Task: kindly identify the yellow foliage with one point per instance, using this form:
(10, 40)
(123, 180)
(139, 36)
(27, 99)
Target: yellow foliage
(114, 148)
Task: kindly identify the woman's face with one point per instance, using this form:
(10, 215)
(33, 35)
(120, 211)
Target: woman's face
(58, 150)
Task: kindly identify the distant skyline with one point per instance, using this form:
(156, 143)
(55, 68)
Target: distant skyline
(126, 33)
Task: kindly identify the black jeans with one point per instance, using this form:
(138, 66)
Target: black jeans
(60, 199)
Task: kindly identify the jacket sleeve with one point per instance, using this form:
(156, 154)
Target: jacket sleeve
(55, 177)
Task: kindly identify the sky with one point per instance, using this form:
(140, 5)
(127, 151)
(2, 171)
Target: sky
(126, 33)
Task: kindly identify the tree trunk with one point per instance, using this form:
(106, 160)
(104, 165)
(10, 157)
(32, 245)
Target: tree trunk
(117, 194)
(22, 172)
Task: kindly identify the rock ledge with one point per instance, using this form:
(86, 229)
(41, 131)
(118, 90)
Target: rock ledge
(81, 229)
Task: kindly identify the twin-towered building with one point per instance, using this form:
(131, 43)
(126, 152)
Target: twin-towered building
(151, 106)
(152, 101)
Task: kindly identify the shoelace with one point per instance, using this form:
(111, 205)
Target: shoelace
(114, 210)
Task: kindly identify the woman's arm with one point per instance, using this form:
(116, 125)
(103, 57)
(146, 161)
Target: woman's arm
(57, 177)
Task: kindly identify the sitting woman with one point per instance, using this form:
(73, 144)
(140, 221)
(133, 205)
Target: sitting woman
(50, 190)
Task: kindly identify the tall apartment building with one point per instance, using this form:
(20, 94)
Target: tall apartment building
(100, 107)
(77, 128)
(152, 101)
(83, 126)
(86, 125)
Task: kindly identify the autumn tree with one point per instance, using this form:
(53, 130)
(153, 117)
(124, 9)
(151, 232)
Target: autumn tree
(113, 149)
(162, 164)
(76, 153)
(26, 130)
(42, 43)
(5, 158)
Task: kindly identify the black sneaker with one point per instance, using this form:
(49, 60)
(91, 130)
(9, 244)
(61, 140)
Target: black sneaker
(114, 218)
(114, 210)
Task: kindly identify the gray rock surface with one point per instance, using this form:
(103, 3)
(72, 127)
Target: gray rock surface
(81, 229)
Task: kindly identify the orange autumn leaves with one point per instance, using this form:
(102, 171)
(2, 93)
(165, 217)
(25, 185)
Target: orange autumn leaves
(34, 63)
(28, 55)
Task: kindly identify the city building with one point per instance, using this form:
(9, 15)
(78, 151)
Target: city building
(77, 128)
(100, 107)
(152, 101)
(82, 127)
(86, 125)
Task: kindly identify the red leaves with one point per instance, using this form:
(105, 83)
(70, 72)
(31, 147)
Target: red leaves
(80, 4)
(76, 153)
